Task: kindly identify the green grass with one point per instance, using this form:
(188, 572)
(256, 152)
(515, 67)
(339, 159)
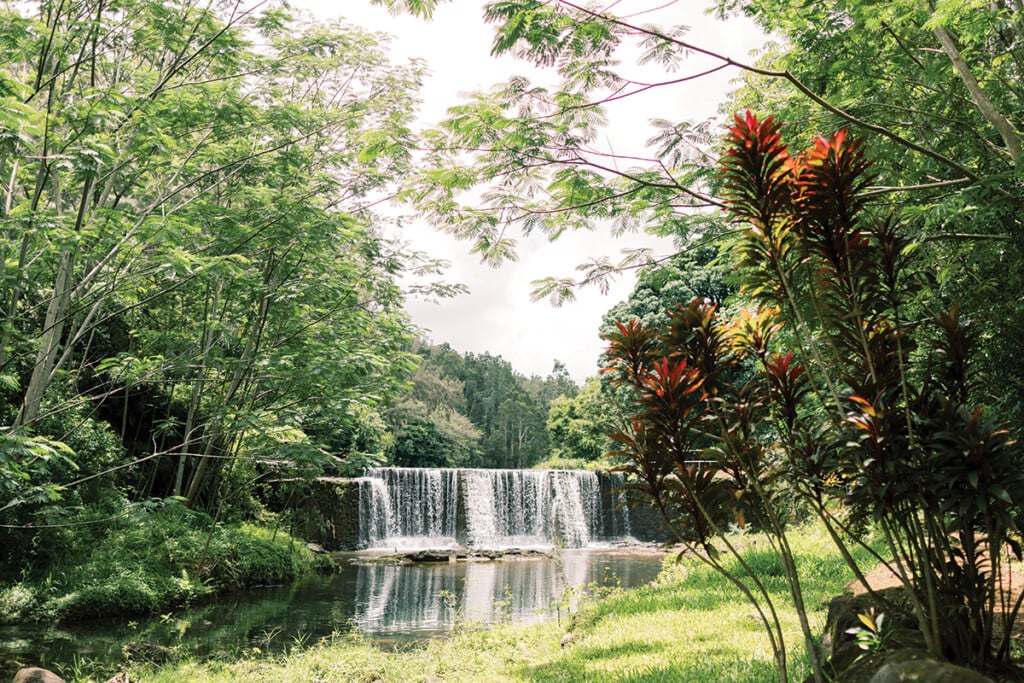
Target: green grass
(688, 626)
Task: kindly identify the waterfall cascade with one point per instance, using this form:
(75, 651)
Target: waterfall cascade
(405, 507)
(413, 508)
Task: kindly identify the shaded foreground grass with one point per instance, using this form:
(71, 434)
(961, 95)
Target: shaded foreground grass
(691, 625)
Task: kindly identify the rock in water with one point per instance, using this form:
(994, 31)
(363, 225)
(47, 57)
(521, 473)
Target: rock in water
(34, 674)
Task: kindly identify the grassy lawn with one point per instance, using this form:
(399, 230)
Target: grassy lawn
(689, 626)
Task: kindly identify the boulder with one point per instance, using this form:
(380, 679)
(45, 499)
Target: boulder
(842, 659)
(34, 674)
(905, 666)
(843, 611)
(910, 665)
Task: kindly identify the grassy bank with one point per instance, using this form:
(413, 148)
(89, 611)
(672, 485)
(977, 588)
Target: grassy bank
(149, 561)
(689, 626)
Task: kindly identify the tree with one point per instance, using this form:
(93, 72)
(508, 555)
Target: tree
(510, 418)
(430, 427)
(699, 272)
(867, 418)
(931, 86)
(188, 246)
(558, 383)
(490, 415)
(578, 427)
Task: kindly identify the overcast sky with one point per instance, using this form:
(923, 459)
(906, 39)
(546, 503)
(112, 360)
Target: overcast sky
(497, 316)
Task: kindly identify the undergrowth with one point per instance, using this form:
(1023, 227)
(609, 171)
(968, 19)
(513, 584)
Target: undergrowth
(154, 559)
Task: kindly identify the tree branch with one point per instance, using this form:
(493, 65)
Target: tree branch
(981, 100)
(797, 83)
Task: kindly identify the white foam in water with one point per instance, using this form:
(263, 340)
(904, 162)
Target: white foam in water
(404, 508)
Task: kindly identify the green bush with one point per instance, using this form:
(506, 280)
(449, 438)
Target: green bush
(245, 555)
(558, 462)
(17, 602)
(123, 594)
(160, 556)
(69, 517)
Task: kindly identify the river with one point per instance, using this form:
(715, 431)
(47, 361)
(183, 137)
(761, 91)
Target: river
(395, 605)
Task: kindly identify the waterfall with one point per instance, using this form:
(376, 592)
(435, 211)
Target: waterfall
(577, 506)
(411, 508)
(615, 524)
(374, 510)
(507, 508)
(408, 507)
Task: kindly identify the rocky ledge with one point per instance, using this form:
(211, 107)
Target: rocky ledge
(450, 556)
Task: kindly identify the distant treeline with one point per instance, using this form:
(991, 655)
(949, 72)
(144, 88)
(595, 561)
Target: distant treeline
(473, 410)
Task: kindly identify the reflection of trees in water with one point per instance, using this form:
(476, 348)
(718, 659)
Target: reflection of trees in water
(233, 623)
(396, 599)
(393, 598)
(381, 600)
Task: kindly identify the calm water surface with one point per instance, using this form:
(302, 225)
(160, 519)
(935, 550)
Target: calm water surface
(392, 604)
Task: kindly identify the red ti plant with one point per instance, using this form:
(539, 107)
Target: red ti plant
(692, 446)
(895, 438)
(870, 418)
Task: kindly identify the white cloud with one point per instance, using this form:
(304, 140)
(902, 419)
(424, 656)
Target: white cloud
(497, 316)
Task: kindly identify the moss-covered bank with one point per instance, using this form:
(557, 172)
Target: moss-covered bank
(151, 560)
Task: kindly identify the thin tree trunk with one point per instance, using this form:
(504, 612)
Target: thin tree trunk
(49, 343)
(981, 99)
(242, 374)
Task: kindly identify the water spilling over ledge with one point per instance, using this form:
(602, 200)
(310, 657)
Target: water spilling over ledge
(405, 509)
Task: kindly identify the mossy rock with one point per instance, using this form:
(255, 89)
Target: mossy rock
(329, 514)
(911, 665)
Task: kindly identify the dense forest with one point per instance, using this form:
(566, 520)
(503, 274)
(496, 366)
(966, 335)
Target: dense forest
(199, 301)
(473, 410)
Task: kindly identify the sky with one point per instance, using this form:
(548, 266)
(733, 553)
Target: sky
(497, 316)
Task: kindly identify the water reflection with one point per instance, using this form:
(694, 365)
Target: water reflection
(425, 598)
(392, 604)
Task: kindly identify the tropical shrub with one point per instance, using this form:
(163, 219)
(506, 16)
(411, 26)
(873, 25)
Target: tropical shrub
(863, 406)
